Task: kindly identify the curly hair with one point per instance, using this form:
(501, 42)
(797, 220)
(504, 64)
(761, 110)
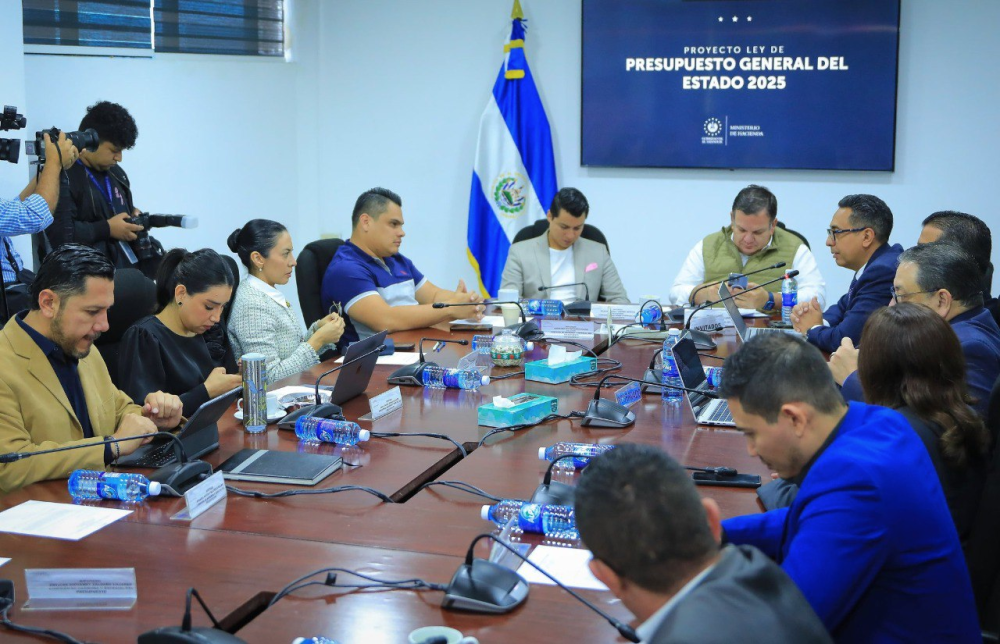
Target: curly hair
(113, 123)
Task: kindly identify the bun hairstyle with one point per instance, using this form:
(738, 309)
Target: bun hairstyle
(197, 271)
(258, 235)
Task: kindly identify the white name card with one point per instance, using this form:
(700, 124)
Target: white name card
(202, 496)
(385, 403)
(617, 311)
(80, 588)
(569, 329)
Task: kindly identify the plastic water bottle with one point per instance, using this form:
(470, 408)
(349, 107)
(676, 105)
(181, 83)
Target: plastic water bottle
(581, 452)
(713, 375)
(90, 485)
(503, 511)
(671, 376)
(319, 639)
(328, 430)
(439, 378)
(789, 298)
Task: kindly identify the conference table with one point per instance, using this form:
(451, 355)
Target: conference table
(242, 551)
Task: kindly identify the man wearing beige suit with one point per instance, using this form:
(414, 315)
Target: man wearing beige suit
(561, 257)
(54, 391)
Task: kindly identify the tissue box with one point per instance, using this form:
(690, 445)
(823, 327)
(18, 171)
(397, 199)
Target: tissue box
(541, 371)
(528, 408)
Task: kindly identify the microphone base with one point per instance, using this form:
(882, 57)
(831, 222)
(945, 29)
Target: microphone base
(485, 587)
(528, 331)
(177, 635)
(606, 413)
(412, 375)
(651, 382)
(701, 339)
(581, 308)
(675, 315)
(178, 478)
(323, 410)
(555, 493)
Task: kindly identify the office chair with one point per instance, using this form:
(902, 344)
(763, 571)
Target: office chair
(312, 264)
(541, 226)
(135, 298)
(805, 241)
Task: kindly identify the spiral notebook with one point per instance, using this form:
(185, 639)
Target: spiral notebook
(267, 466)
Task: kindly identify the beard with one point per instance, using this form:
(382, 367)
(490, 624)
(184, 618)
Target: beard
(67, 344)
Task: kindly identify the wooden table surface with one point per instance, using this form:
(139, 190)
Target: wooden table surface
(239, 552)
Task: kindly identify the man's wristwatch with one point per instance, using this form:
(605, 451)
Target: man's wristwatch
(770, 302)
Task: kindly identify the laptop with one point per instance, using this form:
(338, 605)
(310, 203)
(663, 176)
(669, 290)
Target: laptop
(706, 411)
(200, 435)
(742, 329)
(354, 379)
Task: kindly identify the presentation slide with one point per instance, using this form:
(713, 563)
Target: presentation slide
(808, 84)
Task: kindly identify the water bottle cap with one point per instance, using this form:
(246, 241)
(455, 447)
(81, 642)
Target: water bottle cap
(485, 513)
(541, 453)
(486, 380)
(299, 640)
(364, 435)
(674, 332)
(154, 488)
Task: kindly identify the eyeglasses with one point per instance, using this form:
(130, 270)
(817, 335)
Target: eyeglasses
(335, 307)
(831, 233)
(897, 297)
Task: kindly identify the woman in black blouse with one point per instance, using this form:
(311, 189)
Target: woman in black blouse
(166, 351)
(911, 361)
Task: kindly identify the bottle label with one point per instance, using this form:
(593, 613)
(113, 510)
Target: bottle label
(789, 299)
(529, 518)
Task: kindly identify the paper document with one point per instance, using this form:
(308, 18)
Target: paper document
(568, 565)
(398, 358)
(57, 520)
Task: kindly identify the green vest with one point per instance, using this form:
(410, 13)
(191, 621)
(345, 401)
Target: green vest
(722, 257)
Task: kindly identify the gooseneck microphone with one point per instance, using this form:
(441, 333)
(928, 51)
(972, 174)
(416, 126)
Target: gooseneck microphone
(528, 331)
(580, 307)
(759, 270)
(174, 479)
(476, 582)
(549, 493)
(789, 274)
(413, 374)
(607, 413)
(586, 289)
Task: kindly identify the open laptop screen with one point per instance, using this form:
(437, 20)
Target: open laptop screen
(734, 311)
(691, 372)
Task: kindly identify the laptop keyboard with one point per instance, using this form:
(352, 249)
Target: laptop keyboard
(162, 455)
(720, 415)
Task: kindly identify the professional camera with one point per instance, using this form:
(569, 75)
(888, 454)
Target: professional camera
(10, 149)
(86, 140)
(144, 246)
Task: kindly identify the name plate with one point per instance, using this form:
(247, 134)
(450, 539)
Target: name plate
(202, 496)
(628, 395)
(384, 404)
(80, 588)
(569, 329)
(617, 311)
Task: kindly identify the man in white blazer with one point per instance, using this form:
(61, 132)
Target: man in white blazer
(561, 257)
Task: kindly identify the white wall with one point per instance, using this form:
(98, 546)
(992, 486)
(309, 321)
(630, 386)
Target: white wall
(406, 82)
(384, 92)
(13, 177)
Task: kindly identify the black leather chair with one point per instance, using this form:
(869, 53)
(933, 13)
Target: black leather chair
(796, 233)
(982, 551)
(541, 226)
(135, 298)
(312, 263)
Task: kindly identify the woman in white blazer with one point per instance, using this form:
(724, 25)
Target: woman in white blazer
(262, 320)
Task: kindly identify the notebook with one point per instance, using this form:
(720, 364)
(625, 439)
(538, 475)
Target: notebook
(267, 466)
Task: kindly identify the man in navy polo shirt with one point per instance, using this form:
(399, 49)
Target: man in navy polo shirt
(378, 287)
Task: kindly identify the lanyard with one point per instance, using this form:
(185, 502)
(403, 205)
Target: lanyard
(106, 189)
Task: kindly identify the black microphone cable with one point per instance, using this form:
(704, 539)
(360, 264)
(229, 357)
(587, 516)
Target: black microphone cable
(7, 601)
(327, 490)
(463, 487)
(444, 437)
(331, 582)
(517, 428)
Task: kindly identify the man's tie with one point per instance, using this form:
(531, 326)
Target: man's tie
(850, 291)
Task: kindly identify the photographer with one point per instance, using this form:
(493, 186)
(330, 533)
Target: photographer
(99, 205)
(30, 213)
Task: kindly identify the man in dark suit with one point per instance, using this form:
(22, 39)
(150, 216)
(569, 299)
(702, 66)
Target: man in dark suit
(858, 237)
(973, 235)
(944, 278)
(869, 538)
(656, 547)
